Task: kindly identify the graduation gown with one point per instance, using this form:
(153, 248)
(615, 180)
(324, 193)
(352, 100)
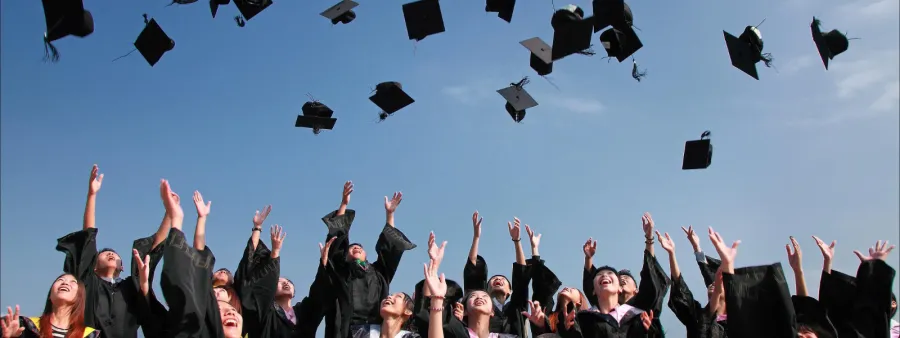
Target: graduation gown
(593, 324)
(507, 318)
(544, 285)
(652, 289)
(758, 303)
(32, 328)
(861, 306)
(117, 308)
(422, 307)
(359, 290)
(697, 320)
(454, 328)
(812, 314)
(249, 260)
(186, 275)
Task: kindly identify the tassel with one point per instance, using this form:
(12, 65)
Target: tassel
(146, 19)
(551, 82)
(524, 81)
(636, 73)
(240, 21)
(767, 59)
(589, 51)
(316, 130)
(382, 116)
(50, 52)
(181, 2)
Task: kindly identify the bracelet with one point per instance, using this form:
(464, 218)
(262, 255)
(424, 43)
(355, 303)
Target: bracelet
(649, 241)
(437, 297)
(437, 309)
(256, 229)
(517, 240)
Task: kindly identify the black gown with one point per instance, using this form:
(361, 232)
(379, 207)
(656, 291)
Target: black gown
(422, 307)
(861, 306)
(187, 288)
(359, 290)
(697, 320)
(117, 309)
(507, 319)
(593, 324)
(544, 285)
(652, 290)
(758, 303)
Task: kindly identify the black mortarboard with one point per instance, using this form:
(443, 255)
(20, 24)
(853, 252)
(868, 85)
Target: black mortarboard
(153, 42)
(390, 97)
(620, 43)
(341, 12)
(316, 109)
(829, 44)
(315, 123)
(517, 99)
(541, 55)
(250, 8)
(214, 5)
(65, 18)
(615, 13)
(423, 18)
(571, 32)
(698, 153)
(503, 8)
(746, 51)
(813, 316)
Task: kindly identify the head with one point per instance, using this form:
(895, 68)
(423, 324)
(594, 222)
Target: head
(356, 252)
(499, 286)
(109, 264)
(804, 331)
(629, 285)
(571, 295)
(893, 305)
(285, 289)
(65, 292)
(223, 277)
(226, 293)
(398, 305)
(232, 321)
(479, 302)
(607, 282)
(721, 299)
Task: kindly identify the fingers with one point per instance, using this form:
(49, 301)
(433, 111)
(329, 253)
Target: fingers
(833, 243)
(859, 255)
(147, 260)
(818, 241)
(443, 246)
(528, 230)
(431, 239)
(668, 238)
(888, 250)
(509, 225)
(795, 244)
(443, 280)
(788, 249)
(658, 236)
(686, 232)
(137, 257)
(735, 244)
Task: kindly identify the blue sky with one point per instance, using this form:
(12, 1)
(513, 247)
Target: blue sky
(801, 152)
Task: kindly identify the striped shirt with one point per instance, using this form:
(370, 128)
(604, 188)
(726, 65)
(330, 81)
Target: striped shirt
(58, 332)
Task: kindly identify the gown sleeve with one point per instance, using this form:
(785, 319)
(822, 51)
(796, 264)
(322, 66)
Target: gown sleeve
(544, 285)
(587, 284)
(80, 248)
(391, 245)
(339, 226)
(872, 308)
(475, 275)
(653, 286)
(150, 313)
(758, 303)
(837, 293)
(518, 301)
(249, 259)
(259, 287)
(684, 306)
(311, 310)
(708, 270)
(184, 275)
(811, 313)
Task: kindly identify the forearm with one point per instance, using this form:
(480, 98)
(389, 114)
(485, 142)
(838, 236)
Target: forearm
(389, 219)
(520, 253)
(436, 322)
(162, 231)
(648, 244)
(341, 210)
(254, 236)
(673, 266)
(473, 251)
(534, 251)
(588, 262)
(826, 266)
(89, 212)
(200, 233)
(800, 281)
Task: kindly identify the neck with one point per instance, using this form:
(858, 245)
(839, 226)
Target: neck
(283, 301)
(481, 325)
(106, 273)
(391, 326)
(60, 316)
(626, 296)
(500, 296)
(606, 302)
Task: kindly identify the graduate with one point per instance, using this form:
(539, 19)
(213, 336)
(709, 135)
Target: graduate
(112, 305)
(422, 299)
(361, 286)
(699, 321)
(63, 314)
(542, 315)
(508, 299)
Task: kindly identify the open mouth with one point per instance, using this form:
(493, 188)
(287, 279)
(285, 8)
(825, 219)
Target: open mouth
(286, 287)
(479, 302)
(230, 323)
(64, 288)
(606, 281)
(498, 283)
(387, 302)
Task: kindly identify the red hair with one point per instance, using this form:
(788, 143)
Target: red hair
(553, 318)
(76, 317)
(234, 301)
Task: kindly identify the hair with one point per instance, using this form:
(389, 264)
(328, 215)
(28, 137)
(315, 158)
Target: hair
(76, 317)
(119, 266)
(234, 301)
(894, 310)
(408, 302)
(227, 272)
(553, 319)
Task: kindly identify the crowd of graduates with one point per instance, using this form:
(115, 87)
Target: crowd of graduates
(350, 296)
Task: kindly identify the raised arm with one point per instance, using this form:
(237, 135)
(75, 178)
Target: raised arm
(795, 259)
(647, 224)
(202, 212)
(91, 205)
(515, 233)
(874, 280)
(258, 220)
(475, 271)
(587, 274)
(667, 244)
(436, 288)
(392, 243)
(707, 265)
(261, 283)
(476, 236)
(338, 223)
(654, 282)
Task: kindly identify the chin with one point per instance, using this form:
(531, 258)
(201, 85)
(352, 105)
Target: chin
(232, 332)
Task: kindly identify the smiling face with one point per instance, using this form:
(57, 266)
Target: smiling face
(628, 284)
(479, 302)
(498, 285)
(606, 282)
(232, 321)
(396, 305)
(356, 252)
(64, 290)
(285, 288)
(222, 294)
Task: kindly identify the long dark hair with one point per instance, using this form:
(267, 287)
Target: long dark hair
(76, 317)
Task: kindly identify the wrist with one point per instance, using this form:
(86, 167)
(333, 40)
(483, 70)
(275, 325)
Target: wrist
(517, 240)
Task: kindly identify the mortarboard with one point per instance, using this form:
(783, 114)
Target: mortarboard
(316, 109)
(517, 99)
(390, 97)
(341, 12)
(620, 43)
(153, 42)
(829, 44)
(503, 8)
(315, 123)
(64, 18)
(249, 9)
(571, 32)
(423, 19)
(615, 13)
(811, 315)
(745, 51)
(541, 55)
(698, 153)
(214, 5)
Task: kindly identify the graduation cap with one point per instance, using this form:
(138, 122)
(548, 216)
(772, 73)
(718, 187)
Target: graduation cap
(517, 99)
(316, 116)
(64, 18)
(571, 32)
(541, 55)
(620, 43)
(214, 5)
(390, 97)
(615, 13)
(746, 51)
(635, 72)
(503, 8)
(829, 44)
(812, 316)
(249, 9)
(698, 153)
(153, 42)
(341, 12)
(423, 19)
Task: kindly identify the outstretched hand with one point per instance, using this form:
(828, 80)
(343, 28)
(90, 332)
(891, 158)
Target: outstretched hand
(96, 180)
(590, 247)
(647, 319)
(348, 189)
(534, 238)
(827, 250)
(143, 266)
(323, 251)
(795, 257)
(202, 209)
(726, 254)
(692, 237)
(476, 224)
(437, 285)
(536, 315)
(390, 205)
(879, 251)
(277, 235)
(435, 253)
(647, 224)
(10, 324)
(170, 200)
(515, 230)
(666, 242)
(260, 217)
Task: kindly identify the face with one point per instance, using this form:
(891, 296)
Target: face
(498, 284)
(285, 288)
(221, 276)
(606, 282)
(232, 322)
(222, 295)
(356, 252)
(893, 304)
(479, 302)
(628, 284)
(806, 333)
(396, 305)
(572, 295)
(64, 290)
(108, 260)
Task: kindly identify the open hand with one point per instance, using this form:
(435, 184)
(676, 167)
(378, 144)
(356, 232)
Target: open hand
(666, 242)
(879, 251)
(143, 266)
(390, 205)
(514, 229)
(435, 253)
(590, 247)
(323, 251)
(202, 209)
(10, 324)
(277, 235)
(536, 315)
(437, 285)
(647, 319)
(348, 189)
(795, 258)
(647, 224)
(726, 254)
(692, 237)
(96, 180)
(476, 224)
(534, 238)
(260, 217)
(458, 310)
(827, 250)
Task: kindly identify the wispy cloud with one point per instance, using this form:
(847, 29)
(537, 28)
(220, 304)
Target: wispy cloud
(576, 105)
(889, 98)
(797, 64)
(868, 11)
(867, 71)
